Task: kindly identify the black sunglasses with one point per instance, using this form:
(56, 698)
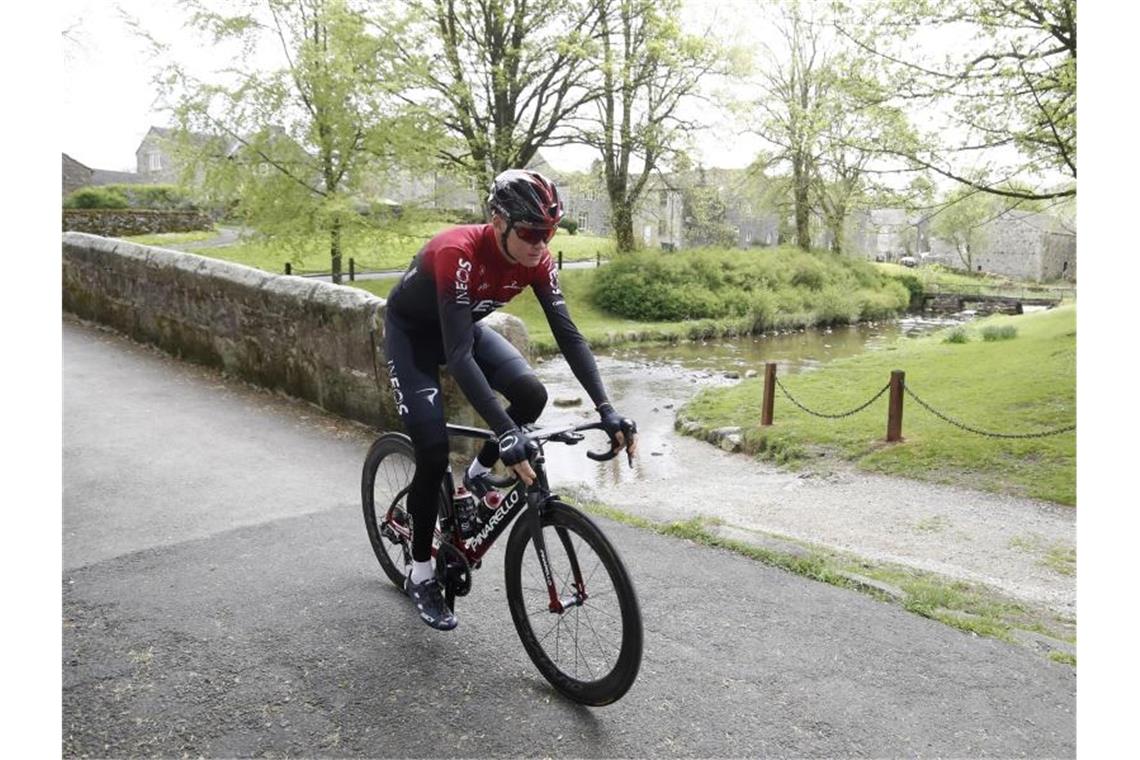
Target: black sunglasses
(535, 235)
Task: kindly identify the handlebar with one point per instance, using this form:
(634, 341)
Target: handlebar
(571, 435)
(568, 434)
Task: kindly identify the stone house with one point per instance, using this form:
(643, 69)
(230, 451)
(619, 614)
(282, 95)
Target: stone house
(75, 175)
(155, 161)
(1025, 245)
(657, 219)
(885, 234)
(754, 222)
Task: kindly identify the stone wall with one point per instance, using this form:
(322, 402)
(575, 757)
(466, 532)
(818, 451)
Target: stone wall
(310, 339)
(122, 222)
(1025, 246)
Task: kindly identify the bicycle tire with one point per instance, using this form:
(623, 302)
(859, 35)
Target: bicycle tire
(393, 459)
(595, 684)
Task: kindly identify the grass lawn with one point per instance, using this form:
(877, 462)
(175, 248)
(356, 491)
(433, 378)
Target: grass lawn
(172, 238)
(936, 278)
(376, 249)
(1025, 384)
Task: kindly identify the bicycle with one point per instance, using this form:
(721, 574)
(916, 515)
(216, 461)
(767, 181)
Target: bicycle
(563, 584)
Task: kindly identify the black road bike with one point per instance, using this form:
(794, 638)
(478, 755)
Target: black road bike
(570, 596)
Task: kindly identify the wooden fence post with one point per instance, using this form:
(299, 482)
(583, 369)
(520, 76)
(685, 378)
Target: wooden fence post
(599, 254)
(560, 259)
(288, 268)
(895, 408)
(769, 393)
(351, 269)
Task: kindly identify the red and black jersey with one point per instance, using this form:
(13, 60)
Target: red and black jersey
(461, 276)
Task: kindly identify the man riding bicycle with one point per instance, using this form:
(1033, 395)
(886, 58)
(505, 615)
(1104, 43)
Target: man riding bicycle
(460, 276)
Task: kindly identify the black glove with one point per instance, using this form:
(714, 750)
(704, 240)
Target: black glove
(613, 423)
(515, 446)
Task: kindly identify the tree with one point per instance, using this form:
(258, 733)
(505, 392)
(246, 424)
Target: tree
(294, 144)
(501, 76)
(1009, 85)
(857, 123)
(648, 68)
(705, 214)
(794, 83)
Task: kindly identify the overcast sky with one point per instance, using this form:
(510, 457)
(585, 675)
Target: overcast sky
(107, 76)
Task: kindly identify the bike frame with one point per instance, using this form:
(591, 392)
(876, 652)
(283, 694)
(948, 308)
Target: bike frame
(536, 496)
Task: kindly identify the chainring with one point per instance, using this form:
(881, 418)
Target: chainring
(452, 569)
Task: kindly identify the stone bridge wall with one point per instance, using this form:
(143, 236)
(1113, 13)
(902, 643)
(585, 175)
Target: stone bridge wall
(310, 339)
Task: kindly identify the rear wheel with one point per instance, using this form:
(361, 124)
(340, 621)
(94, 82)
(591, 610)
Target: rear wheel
(387, 476)
(591, 650)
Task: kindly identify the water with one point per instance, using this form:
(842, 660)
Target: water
(650, 382)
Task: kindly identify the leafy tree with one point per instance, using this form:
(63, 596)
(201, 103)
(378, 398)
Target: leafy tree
(705, 216)
(856, 124)
(295, 145)
(1009, 85)
(827, 112)
(794, 82)
(648, 68)
(501, 76)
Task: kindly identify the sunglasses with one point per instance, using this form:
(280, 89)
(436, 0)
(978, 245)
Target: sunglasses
(535, 235)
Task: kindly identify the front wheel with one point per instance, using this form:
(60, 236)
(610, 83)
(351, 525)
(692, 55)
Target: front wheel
(591, 650)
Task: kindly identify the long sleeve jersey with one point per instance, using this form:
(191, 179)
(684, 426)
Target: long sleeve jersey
(461, 276)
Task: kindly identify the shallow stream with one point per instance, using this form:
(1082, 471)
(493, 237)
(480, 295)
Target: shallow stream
(648, 382)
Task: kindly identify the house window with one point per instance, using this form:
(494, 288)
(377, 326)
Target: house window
(589, 193)
(155, 162)
(664, 199)
(583, 220)
(662, 227)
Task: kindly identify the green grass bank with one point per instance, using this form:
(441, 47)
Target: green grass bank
(372, 249)
(1015, 381)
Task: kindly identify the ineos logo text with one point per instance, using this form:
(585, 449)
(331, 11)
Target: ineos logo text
(462, 277)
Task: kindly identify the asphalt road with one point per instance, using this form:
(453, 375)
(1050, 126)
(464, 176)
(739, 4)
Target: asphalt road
(220, 599)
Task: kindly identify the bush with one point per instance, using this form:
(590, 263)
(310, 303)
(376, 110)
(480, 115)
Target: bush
(765, 288)
(957, 335)
(569, 225)
(157, 197)
(913, 286)
(999, 332)
(96, 197)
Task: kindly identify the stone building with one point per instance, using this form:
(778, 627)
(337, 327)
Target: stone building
(740, 191)
(885, 234)
(657, 219)
(75, 175)
(154, 158)
(1025, 245)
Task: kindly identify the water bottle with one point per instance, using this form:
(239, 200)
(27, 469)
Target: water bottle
(491, 501)
(466, 512)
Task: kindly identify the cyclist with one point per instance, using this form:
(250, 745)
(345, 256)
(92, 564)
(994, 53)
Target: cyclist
(460, 276)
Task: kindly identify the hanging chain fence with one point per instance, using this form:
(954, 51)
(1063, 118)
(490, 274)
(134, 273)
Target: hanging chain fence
(988, 434)
(944, 417)
(856, 410)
